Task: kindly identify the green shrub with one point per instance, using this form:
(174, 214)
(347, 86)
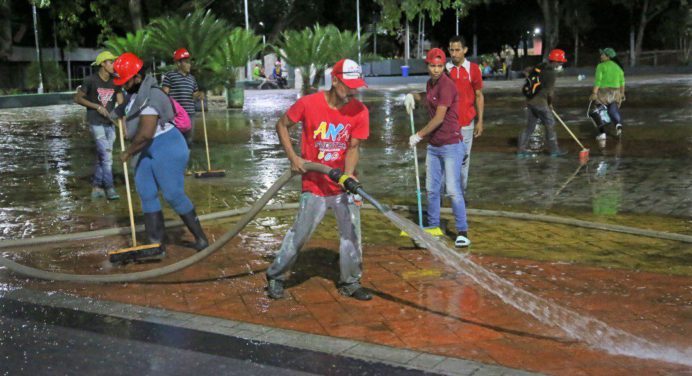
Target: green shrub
(54, 77)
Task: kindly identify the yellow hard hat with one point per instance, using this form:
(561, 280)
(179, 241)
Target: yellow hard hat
(103, 56)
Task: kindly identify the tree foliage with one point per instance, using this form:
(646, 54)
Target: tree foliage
(318, 48)
(239, 46)
(200, 32)
(137, 43)
(393, 10)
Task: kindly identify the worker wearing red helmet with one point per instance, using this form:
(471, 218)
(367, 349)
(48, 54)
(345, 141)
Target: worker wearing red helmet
(539, 103)
(181, 85)
(162, 153)
(445, 150)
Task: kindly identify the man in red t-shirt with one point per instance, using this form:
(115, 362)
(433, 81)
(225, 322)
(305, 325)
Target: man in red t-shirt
(468, 80)
(334, 123)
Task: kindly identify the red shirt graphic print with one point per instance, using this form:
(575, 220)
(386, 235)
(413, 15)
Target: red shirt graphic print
(326, 134)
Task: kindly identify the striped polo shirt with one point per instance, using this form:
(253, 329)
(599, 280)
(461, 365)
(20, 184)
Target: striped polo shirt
(182, 86)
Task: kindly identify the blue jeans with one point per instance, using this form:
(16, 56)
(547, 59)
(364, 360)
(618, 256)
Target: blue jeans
(444, 162)
(467, 132)
(161, 166)
(614, 112)
(104, 136)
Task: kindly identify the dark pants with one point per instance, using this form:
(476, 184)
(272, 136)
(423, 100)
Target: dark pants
(614, 112)
(189, 135)
(534, 113)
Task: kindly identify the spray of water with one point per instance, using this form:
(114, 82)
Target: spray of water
(587, 329)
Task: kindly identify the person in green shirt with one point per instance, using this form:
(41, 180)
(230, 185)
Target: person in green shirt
(609, 89)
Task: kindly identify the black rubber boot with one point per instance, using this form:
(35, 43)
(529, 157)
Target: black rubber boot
(192, 222)
(154, 226)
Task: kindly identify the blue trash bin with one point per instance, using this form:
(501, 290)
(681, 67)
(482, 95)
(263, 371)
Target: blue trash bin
(404, 70)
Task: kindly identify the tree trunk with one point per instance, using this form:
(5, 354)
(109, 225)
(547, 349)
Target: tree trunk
(551, 17)
(283, 22)
(576, 48)
(5, 30)
(475, 36)
(526, 45)
(136, 14)
(640, 32)
(632, 53)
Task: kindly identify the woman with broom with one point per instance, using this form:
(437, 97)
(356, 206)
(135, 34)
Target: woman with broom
(162, 151)
(445, 146)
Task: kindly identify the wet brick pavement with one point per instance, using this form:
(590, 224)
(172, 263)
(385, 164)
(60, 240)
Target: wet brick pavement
(420, 305)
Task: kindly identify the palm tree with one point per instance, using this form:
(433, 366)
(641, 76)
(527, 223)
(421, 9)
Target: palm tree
(318, 48)
(306, 49)
(233, 53)
(200, 32)
(137, 43)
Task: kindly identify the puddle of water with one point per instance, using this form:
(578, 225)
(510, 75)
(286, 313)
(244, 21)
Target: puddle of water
(48, 161)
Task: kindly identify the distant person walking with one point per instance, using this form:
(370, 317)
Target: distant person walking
(445, 149)
(99, 95)
(539, 91)
(181, 85)
(468, 79)
(609, 89)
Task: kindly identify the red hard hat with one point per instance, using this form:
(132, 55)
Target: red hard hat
(180, 54)
(557, 55)
(436, 55)
(126, 66)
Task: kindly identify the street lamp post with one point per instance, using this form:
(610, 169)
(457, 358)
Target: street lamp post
(247, 27)
(358, 27)
(264, 39)
(38, 50)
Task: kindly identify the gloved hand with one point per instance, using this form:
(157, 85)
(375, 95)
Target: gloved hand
(118, 111)
(414, 139)
(593, 97)
(409, 103)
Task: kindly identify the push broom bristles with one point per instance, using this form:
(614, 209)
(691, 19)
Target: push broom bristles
(141, 253)
(209, 173)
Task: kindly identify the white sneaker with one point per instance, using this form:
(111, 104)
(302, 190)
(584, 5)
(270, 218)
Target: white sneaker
(601, 137)
(618, 130)
(462, 241)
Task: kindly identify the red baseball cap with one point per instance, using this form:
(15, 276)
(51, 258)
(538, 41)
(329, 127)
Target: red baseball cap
(180, 54)
(436, 56)
(350, 73)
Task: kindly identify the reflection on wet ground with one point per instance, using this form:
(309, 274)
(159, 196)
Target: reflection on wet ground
(47, 157)
(634, 283)
(36, 339)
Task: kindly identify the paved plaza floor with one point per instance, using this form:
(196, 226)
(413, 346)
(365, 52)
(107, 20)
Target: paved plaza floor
(420, 305)
(599, 253)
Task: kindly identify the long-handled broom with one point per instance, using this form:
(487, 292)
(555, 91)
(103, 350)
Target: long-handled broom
(435, 231)
(209, 173)
(135, 253)
(584, 153)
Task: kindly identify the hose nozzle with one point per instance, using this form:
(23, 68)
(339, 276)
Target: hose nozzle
(349, 183)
